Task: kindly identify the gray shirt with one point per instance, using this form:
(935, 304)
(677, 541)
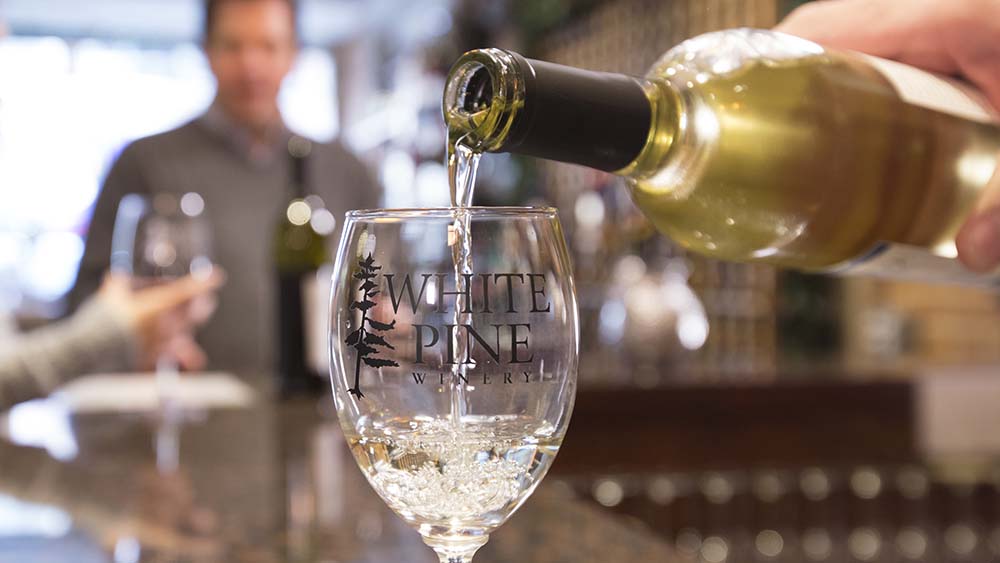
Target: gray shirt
(245, 190)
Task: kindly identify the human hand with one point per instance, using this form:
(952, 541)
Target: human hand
(958, 37)
(162, 317)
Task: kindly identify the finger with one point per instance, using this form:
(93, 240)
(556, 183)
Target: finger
(201, 309)
(170, 322)
(891, 28)
(978, 59)
(115, 284)
(168, 296)
(932, 59)
(978, 241)
(189, 356)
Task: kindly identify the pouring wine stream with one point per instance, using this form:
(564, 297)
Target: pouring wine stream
(463, 162)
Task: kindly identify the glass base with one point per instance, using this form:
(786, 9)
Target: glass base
(456, 548)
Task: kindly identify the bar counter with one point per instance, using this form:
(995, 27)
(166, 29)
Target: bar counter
(808, 470)
(270, 481)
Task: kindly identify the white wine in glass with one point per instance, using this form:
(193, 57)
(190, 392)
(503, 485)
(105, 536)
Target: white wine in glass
(454, 384)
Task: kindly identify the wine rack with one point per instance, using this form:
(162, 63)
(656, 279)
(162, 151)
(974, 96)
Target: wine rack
(843, 514)
(910, 326)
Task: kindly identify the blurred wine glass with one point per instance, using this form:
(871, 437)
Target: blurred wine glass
(157, 239)
(161, 238)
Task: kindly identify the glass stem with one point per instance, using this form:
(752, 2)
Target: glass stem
(453, 549)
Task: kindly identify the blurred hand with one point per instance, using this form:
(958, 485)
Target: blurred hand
(163, 317)
(954, 37)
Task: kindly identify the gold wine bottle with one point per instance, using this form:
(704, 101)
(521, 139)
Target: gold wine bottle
(753, 145)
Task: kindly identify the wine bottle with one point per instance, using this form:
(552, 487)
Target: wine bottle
(299, 251)
(753, 145)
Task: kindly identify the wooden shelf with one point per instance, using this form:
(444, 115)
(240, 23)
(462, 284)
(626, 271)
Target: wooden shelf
(739, 426)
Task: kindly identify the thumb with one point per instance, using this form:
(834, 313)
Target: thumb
(978, 241)
(189, 356)
(115, 284)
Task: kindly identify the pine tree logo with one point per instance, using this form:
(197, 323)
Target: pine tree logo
(366, 337)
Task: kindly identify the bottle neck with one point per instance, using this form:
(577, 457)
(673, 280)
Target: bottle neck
(499, 101)
(299, 149)
(297, 175)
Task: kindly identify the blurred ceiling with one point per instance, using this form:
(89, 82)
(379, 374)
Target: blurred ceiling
(170, 21)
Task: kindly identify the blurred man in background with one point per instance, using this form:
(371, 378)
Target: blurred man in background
(236, 156)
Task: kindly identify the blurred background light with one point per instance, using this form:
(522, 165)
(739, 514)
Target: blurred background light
(80, 81)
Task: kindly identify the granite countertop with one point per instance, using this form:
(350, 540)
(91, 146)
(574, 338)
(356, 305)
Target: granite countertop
(272, 482)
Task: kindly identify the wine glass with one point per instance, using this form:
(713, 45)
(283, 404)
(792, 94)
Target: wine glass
(157, 239)
(454, 398)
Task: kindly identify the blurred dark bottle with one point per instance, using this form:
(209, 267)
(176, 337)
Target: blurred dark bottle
(299, 251)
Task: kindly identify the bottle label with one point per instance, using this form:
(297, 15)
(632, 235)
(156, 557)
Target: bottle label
(931, 91)
(911, 263)
(315, 317)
